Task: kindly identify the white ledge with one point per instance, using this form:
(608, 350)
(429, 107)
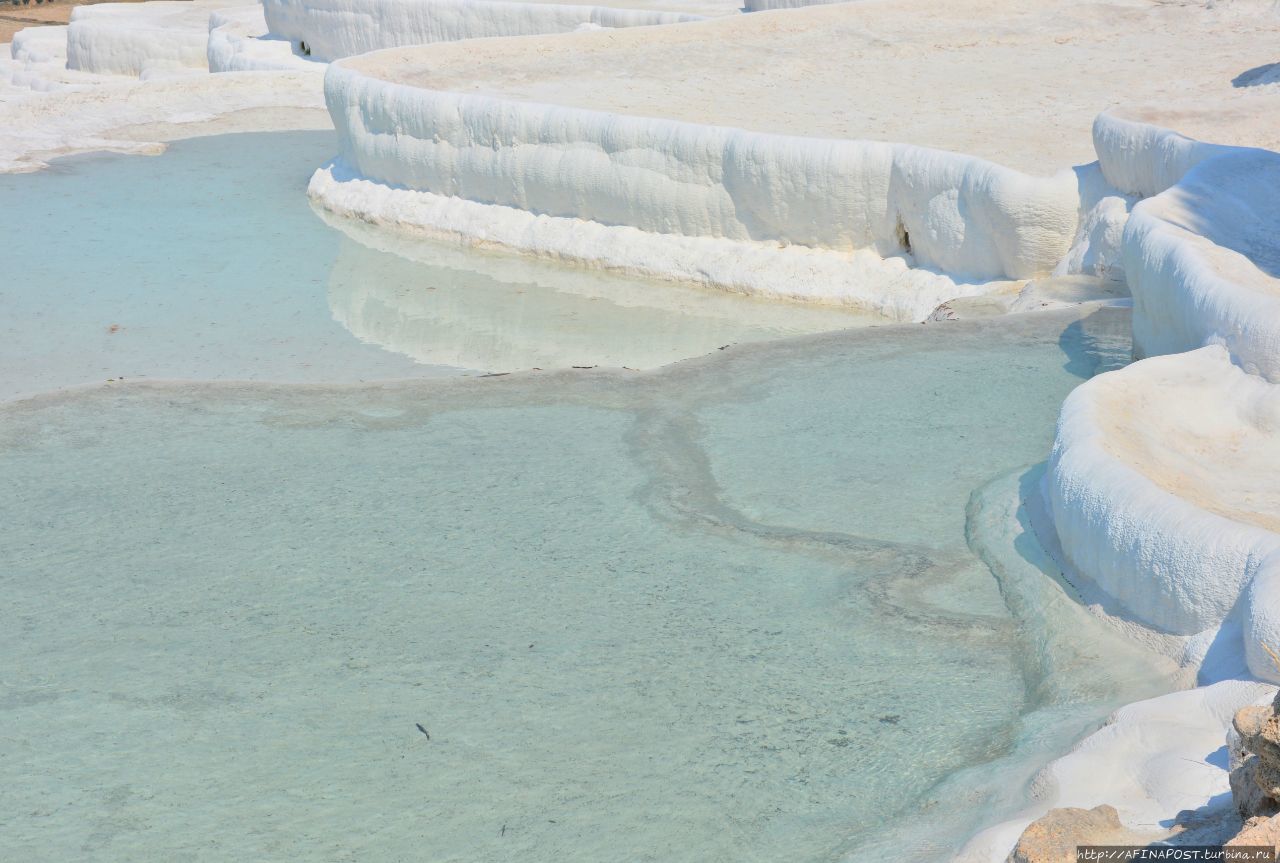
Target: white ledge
(957, 215)
(1201, 255)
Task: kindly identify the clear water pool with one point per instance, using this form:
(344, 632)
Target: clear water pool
(729, 610)
(207, 263)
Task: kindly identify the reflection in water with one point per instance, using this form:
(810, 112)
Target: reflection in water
(236, 289)
(446, 306)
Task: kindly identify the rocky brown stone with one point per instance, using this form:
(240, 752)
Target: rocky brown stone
(1253, 749)
(1247, 794)
(1248, 721)
(1259, 831)
(1259, 730)
(1053, 837)
(1267, 778)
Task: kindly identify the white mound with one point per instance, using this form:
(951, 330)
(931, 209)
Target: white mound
(766, 214)
(133, 38)
(1162, 488)
(36, 62)
(1163, 491)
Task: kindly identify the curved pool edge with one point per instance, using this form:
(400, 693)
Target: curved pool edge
(1145, 552)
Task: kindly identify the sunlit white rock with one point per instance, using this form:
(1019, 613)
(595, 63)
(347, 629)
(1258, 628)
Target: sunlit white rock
(887, 286)
(136, 116)
(239, 42)
(1163, 493)
(1201, 255)
(132, 38)
(330, 29)
(967, 218)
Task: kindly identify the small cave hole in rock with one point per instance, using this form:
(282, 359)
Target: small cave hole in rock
(904, 239)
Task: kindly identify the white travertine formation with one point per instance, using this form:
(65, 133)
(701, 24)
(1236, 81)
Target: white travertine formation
(1143, 159)
(1163, 493)
(40, 45)
(1162, 488)
(130, 38)
(864, 279)
(142, 83)
(239, 42)
(965, 217)
(668, 133)
(921, 72)
(332, 29)
(37, 63)
(136, 116)
(1164, 484)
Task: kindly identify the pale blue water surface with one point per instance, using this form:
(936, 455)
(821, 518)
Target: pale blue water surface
(207, 262)
(754, 606)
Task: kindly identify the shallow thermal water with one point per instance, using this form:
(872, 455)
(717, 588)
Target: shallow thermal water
(208, 263)
(731, 610)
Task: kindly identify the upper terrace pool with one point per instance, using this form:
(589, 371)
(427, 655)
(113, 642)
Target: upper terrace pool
(207, 263)
(773, 603)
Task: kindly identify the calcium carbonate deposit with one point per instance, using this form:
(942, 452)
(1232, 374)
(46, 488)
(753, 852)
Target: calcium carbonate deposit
(646, 429)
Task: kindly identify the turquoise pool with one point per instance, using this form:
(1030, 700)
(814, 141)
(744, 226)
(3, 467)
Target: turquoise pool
(754, 606)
